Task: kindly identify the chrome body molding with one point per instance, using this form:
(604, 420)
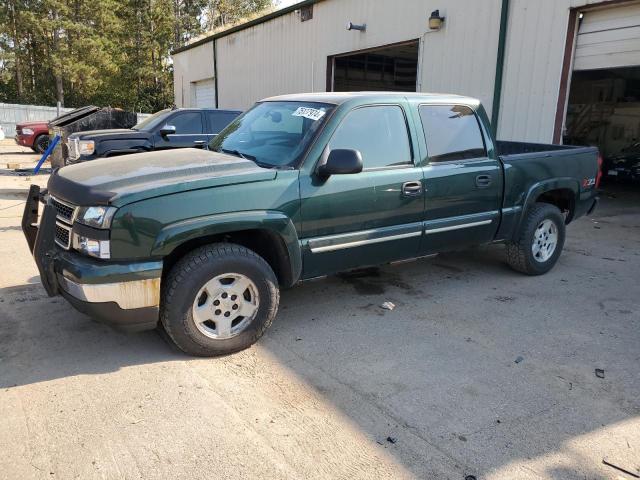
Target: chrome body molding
(330, 243)
(370, 241)
(430, 231)
(341, 241)
(128, 295)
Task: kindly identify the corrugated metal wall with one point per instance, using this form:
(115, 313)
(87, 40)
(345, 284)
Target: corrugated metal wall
(533, 67)
(286, 55)
(11, 114)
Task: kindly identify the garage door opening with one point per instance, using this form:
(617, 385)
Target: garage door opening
(604, 109)
(391, 68)
(604, 99)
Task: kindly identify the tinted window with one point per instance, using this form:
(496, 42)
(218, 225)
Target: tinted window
(187, 123)
(379, 133)
(452, 133)
(219, 120)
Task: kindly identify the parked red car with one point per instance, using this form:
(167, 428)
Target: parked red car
(34, 135)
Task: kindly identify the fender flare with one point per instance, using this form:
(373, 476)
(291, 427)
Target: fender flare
(537, 189)
(178, 233)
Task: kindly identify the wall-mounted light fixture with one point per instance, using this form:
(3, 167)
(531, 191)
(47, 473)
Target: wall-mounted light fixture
(435, 20)
(353, 26)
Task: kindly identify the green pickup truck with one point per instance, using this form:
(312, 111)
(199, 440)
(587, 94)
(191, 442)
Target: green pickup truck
(200, 242)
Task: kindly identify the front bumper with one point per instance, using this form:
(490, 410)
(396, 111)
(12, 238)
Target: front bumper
(125, 295)
(25, 140)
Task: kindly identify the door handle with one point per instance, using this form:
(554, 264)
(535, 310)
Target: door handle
(483, 181)
(411, 189)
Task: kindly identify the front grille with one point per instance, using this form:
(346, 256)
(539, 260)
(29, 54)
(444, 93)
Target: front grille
(64, 211)
(63, 235)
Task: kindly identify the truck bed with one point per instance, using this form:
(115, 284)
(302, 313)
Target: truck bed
(528, 165)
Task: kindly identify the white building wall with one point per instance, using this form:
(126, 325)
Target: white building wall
(286, 55)
(536, 39)
(190, 66)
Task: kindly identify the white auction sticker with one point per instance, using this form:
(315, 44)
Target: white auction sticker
(310, 113)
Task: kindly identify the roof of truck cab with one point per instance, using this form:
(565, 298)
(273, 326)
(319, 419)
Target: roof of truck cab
(338, 98)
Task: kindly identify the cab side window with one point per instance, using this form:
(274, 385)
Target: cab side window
(378, 132)
(188, 123)
(452, 132)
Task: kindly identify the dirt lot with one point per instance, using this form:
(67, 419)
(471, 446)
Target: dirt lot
(478, 371)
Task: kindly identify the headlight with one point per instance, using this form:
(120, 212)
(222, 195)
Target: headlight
(27, 131)
(97, 217)
(86, 147)
(89, 246)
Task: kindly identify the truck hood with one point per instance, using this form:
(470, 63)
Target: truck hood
(130, 178)
(111, 134)
(41, 124)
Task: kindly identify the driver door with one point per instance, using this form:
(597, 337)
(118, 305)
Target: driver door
(189, 130)
(368, 218)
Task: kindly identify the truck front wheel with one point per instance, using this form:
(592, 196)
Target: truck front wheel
(539, 244)
(218, 299)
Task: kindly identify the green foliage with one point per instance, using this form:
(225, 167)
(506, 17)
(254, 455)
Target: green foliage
(103, 52)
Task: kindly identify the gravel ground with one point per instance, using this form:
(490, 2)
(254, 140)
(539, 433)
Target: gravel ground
(477, 371)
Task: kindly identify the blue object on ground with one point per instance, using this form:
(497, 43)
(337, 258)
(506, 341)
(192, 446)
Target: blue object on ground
(46, 153)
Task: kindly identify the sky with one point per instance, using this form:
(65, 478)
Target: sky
(286, 3)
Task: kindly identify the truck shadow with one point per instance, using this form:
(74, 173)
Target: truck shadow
(437, 373)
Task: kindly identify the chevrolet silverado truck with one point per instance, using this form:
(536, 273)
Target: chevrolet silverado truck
(200, 242)
(166, 129)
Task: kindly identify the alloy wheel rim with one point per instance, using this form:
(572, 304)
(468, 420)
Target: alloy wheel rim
(545, 241)
(225, 306)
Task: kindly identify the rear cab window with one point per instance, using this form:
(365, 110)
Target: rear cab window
(452, 133)
(378, 132)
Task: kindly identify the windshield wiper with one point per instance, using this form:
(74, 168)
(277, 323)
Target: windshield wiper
(245, 156)
(238, 153)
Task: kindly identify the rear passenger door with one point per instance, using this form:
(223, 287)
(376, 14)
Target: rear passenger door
(189, 130)
(371, 217)
(463, 186)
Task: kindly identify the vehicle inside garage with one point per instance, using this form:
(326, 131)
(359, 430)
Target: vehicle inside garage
(604, 100)
(392, 68)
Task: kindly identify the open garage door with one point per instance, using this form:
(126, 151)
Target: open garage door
(390, 68)
(604, 99)
(609, 38)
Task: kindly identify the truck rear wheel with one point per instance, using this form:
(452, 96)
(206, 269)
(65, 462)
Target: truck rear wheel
(540, 241)
(218, 299)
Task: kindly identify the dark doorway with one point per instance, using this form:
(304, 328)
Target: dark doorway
(604, 111)
(391, 68)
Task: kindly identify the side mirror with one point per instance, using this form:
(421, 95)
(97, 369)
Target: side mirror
(168, 130)
(342, 162)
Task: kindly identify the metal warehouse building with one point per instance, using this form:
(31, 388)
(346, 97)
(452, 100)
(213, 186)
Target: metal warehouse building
(546, 70)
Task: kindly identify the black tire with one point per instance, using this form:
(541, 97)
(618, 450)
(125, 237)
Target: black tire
(519, 252)
(41, 143)
(191, 273)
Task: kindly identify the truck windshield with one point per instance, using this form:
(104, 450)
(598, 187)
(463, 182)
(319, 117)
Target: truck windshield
(151, 122)
(273, 134)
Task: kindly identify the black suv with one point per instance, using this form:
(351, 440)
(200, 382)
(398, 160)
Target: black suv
(171, 128)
